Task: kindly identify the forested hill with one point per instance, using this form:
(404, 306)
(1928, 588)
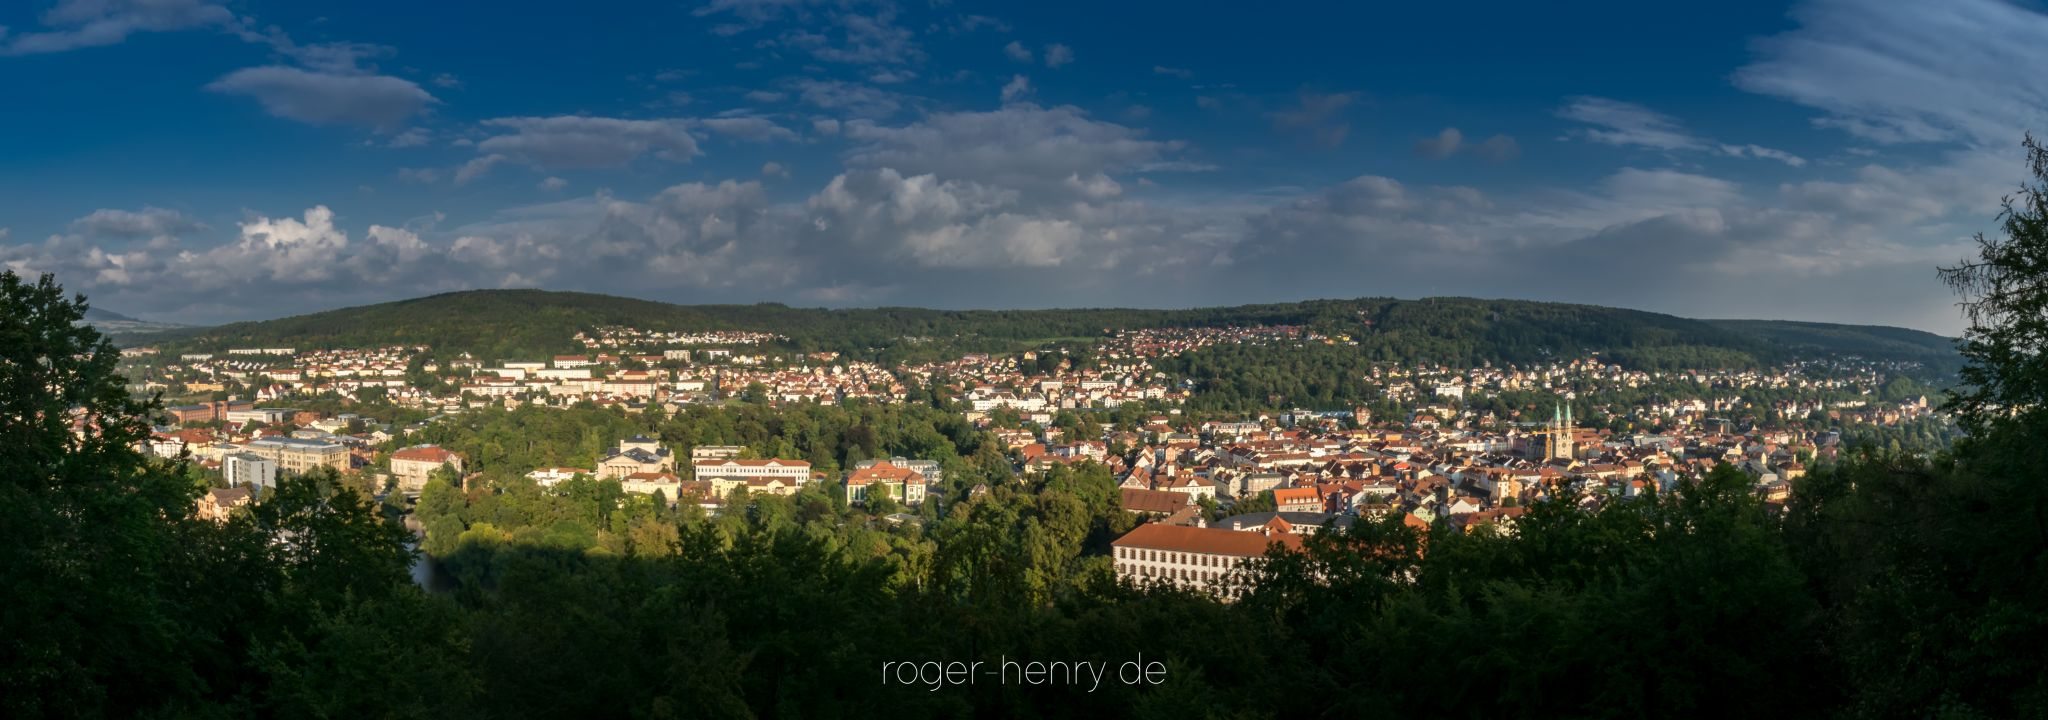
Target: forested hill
(508, 323)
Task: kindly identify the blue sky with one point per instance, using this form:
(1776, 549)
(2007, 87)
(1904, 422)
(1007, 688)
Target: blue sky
(208, 160)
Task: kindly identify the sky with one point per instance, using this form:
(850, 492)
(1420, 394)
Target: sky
(202, 161)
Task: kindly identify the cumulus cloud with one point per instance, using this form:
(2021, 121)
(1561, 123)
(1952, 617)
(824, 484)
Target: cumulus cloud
(552, 183)
(319, 98)
(1016, 51)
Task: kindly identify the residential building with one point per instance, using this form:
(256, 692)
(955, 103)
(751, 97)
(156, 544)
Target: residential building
(794, 471)
(217, 504)
(905, 485)
(294, 455)
(1195, 558)
(549, 476)
(247, 469)
(412, 466)
(928, 468)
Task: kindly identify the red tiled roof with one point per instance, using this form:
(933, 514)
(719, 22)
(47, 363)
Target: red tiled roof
(1213, 541)
(1154, 501)
(428, 453)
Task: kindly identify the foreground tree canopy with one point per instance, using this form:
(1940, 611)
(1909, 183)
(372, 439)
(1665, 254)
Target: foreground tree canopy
(1892, 586)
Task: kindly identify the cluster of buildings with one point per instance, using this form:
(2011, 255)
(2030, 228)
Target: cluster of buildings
(1444, 458)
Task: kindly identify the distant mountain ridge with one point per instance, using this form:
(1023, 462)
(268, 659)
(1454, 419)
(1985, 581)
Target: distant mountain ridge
(498, 324)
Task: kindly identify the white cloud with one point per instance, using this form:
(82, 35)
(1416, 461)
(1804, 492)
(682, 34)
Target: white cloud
(1181, 73)
(1762, 152)
(1020, 145)
(1627, 124)
(1016, 51)
(852, 98)
(423, 176)
(1630, 125)
(411, 137)
(1096, 187)
(1019, 88)
(149, 222)
(577, 141)
(552, 184)
(74, 24)
(1442, 145)
(774, 170)
(376, 101)
(1057, 55)
(477, 168)
(1960, 71)
(748, 128)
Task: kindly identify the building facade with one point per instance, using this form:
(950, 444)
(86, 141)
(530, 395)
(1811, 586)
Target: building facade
(247, 469)
(412, 466)
(294, 455)
(1194, 558)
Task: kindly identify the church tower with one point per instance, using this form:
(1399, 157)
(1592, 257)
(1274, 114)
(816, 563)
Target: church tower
(1559, 436)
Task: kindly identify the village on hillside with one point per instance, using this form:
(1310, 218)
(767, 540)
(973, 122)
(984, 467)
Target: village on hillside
(1209, 490)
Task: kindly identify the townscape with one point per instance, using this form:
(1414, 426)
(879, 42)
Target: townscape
(1460, 447)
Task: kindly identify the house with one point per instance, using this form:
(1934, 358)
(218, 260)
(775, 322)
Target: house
(1298, 499)
(1195, 558)
(549, 476)
(412, 466)
(904, 484)
(1145, 501)
(217, 504)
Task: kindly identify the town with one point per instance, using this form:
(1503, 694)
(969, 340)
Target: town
(1206, 490)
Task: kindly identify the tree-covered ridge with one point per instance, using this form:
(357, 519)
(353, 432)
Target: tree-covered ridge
(534, 323)
(1871, 341)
